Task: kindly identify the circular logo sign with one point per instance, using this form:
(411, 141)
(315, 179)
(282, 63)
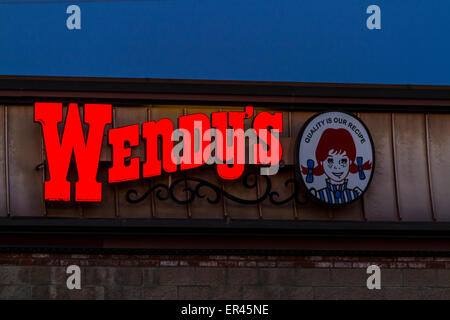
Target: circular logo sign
(335, 157)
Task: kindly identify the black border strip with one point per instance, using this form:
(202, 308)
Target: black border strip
(208, 87)
(206, 252)
(93, 227)
(275, 95)
(201, 227)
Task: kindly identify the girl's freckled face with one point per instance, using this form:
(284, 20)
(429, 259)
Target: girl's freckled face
(336, 166)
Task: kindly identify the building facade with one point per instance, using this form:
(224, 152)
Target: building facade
(193, 235)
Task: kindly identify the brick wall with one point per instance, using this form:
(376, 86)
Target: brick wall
(43, 276)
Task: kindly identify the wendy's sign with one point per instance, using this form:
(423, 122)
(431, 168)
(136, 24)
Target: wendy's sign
(336, 157)
(197, 141)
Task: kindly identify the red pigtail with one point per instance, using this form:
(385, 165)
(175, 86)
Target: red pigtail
(354, 167)
(317, 171)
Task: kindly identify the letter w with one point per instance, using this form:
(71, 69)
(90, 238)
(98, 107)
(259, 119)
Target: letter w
(87, 154)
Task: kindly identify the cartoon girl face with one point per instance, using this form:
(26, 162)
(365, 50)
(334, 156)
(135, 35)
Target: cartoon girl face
(332, 168)
(335, 156)
(337, 165)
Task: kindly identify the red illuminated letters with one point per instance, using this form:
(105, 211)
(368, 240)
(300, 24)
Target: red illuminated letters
(117, 137)
(198, 140)
(86, 154)
(150, 132)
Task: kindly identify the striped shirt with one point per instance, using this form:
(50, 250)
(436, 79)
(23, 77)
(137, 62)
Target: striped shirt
(336, 193)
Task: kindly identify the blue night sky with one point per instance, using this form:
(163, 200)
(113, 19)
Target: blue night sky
(270, 40)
